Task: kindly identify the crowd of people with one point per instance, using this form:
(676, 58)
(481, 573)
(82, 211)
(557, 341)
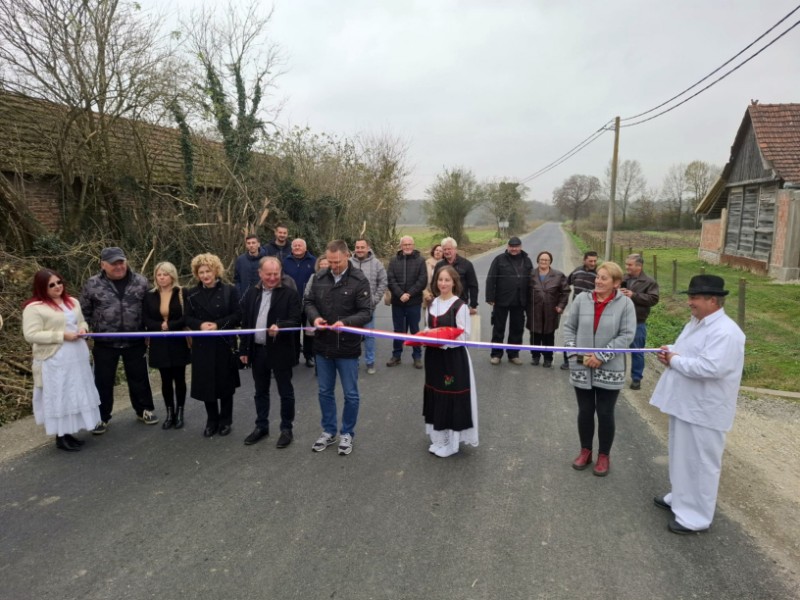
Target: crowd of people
(280, 287)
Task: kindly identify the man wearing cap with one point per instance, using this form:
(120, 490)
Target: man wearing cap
(111, 302)
(643, 291)
(698, 391)
(507, 294)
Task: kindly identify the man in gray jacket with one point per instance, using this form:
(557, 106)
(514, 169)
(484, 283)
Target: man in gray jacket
(364, 260)
(111, 302)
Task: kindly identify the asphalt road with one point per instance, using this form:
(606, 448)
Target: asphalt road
(146, 513)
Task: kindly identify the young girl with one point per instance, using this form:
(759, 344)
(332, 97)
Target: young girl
(450, 405)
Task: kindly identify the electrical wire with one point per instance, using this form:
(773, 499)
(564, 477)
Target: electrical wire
(727, 62)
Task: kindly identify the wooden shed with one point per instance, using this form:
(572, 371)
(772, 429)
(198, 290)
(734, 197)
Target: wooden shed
(751, 216)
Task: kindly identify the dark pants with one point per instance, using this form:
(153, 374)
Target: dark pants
(106, 359)
(173, 385)
(516, 318)
(600, 401)
(219, 412)
(405, 319)
(543, 339)
(261, 377)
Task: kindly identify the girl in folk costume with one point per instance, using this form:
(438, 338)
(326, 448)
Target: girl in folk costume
(450, 405)
(65, 399)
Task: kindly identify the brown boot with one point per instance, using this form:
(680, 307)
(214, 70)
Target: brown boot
(584, 459)
(602, 466)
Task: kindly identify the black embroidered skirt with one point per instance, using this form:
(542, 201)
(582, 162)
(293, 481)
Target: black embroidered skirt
(446, 400)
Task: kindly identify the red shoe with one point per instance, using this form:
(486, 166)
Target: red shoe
(602, 466)
(584, 460)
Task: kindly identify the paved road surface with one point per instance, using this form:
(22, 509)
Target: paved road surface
(143, 513)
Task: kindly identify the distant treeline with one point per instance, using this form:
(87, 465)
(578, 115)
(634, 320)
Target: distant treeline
(412, 214)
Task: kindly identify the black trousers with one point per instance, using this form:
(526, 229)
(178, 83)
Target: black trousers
(106, 359)
(173, 385)
(543, 339)
(515, 315)
(262, 375)
(220, 412)
(602, 402)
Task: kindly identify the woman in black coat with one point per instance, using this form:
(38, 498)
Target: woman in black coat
(163, 310)
(213, 305)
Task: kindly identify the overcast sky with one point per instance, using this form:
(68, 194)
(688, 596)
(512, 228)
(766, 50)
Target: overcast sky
(505, 87)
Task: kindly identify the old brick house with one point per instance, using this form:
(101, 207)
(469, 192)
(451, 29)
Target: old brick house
(751, 216)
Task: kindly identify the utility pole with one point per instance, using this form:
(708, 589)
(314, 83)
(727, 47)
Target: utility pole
(613, 198)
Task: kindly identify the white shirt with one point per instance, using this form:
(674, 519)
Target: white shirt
(439, 307)
(701, 384)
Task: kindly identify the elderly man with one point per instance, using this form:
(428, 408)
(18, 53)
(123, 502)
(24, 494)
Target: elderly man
(299, 266)
(111, 302)
(337, 296)
(268, 307)
(407, 277)
(643, 290)
(245, 271)
(465, 270)
(364, 260)
(507, 286)
(698, 391)
(281, 246)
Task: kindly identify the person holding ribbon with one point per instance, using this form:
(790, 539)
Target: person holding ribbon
(450, 403)
(163, 310)
(65, 399)
(604, 320)
(213, 305)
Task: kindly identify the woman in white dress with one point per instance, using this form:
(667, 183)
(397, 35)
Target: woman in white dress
(65, 399)
(450, 404)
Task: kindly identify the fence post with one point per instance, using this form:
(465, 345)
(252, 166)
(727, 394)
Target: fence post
(742, 292)
(621, 254)
(674, 276)
(655, 267)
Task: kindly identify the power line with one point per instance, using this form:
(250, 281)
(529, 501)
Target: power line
(713, 83)
(727, 62)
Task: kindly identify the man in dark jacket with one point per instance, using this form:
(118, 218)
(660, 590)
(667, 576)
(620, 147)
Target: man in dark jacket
(507, 293)
(299, 266)
(465, 270)
(582, 280)
(643, 290)
(111, 301)
(407, 276)
(245, 271)
(269, 306)
(338, 296)
(281, 246)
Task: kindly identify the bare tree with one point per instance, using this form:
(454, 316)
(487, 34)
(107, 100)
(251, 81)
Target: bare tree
(450, 199)
(673, 192)
(700, 176)
(576, 196)
(100, 61)
(504, 201)
(630, 184)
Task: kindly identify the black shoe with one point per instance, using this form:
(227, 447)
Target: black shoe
(535, 362)
(63, 444)
(676, 527)
(256, 436)
(548, 364)
(178, 417)
(285, 438)
(636, 384)
(659, 502)
(169, 420)
(73, 440)
(310, 363)
(210, 430)
(224, 430)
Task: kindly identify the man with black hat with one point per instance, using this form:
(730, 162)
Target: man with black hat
(507, 287)
(698, 391)
(111, 302)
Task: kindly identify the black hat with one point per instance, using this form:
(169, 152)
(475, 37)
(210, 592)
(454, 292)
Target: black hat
(706, 285)
(514, 241)
(112, 254)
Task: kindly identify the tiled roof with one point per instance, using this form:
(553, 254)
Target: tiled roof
(28, 137)
(777, 128)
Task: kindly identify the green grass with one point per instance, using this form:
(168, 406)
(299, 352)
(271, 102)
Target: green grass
(425, 237)
(771, 310)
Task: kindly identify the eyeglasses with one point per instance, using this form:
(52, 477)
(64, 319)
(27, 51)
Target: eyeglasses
(55, 283)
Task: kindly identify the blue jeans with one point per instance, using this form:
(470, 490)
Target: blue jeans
(637, 358)
(405, 319)
(369, 343)
(326, 378)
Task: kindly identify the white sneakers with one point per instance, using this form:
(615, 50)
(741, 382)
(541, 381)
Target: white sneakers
(346, 444)
(323, 441)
